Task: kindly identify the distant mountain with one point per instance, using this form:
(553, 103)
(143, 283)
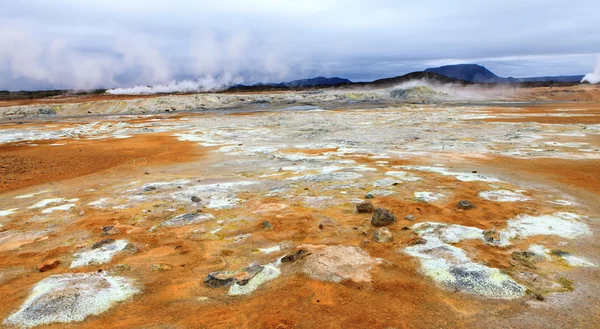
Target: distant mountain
(467, 72)
(480, 74)
(318, 81)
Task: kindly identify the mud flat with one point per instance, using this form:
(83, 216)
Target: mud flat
(221, 220)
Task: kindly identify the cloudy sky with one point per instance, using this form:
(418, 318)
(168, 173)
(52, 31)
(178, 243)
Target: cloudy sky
(115, 43)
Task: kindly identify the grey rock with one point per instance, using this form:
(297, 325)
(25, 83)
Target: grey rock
(226, 278)
(187, 219)
(109, 230)
(196, 199)
(465, 205)
(383, 235)
(131, 248)
(102, 243)
(369, 196)
(409, 217)
(365, 207)
(383, 217)
(267, 226)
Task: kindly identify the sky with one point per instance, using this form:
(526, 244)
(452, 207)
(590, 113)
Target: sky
(83, 44)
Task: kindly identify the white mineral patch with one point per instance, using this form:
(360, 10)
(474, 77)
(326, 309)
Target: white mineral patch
(336, 176)
(403, 175)
(450, 266)
(540, 251)
(381, 193)
(563, 224)
(503, 196)
(270, 250)
(563, 202)
(385, 182)
(99, 255)
(465, 177)
(99, 203)
(63, 207)
(428, 196)
(46, 202)
(268, 273)
(217, 202)
(4, 213)
(27, 196)
(70, 298)
(577, 261)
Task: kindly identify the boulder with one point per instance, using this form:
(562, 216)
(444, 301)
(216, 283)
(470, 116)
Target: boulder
(382, 217)
(365, 207)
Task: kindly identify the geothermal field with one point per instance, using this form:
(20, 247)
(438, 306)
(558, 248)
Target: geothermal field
(414, 206)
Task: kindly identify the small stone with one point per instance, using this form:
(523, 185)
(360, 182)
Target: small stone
(405, 228)
(409, 217)
(369, 196)
(416, 241)
(321, 226)
(491, 235)
(365, 207)
(267, 226)
(382, 235)
(102, 243)
(382, 217)
(131, 248)
(48, 265)
(81, 213)
(109, 230)
(465, 205)
(122, 267)
(149, 188)
(196, 199)
(294, 257)
(161, 267)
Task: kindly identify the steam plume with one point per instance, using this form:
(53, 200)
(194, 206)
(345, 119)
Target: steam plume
(593, 77)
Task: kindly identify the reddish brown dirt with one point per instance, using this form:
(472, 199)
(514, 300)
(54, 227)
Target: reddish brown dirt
(25, 165)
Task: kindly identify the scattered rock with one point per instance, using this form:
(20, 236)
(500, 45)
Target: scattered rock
(294, 257)
(102, 243)
(131, 248)
(491, 235)
(369, 196)
(187, 219)
(409, 217)
(196, 199)
(149, 187)
(382, 235)
(267, 226)
(70, 298)
(382, 217)
(338, 263)
(365, 207)
(465, 205)
(48, 265)
(226, 278)
(416, 241)
(161, 267)
(109, 230)
(405, 228)
(321, 226)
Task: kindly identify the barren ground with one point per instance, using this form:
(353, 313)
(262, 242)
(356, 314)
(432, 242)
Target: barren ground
(531, 171)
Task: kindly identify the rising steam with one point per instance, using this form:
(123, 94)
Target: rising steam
(593, 77)
(205, 84)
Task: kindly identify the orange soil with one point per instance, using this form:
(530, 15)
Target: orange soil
(25, 165)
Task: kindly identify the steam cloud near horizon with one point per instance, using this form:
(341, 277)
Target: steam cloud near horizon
(593, 77)
(205, 84)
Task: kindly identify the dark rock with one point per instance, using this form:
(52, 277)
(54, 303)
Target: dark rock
(559, 253)
(409, 217)
(383, 235)
(48, 265)
(294, 257)
(365, 207)
(382, 217)
(149, 188)
(109, 230)
(369, 196)
(226, 278)
(267, 226)
(405, 228)
(465, 205)
(102, 243)
(196, 199)
(491, 235)
(131, 248)
(416, 241)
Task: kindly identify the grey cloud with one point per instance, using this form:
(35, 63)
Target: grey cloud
(87, 44)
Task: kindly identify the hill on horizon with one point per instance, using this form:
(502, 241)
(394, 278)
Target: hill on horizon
(480, 74)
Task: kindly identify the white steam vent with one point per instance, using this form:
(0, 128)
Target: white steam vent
(593, 77)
